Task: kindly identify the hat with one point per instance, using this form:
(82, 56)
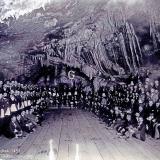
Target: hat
(147, 79)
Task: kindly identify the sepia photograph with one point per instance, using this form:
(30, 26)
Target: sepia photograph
(79, 79)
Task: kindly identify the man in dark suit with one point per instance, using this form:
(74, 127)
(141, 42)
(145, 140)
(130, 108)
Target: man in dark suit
(157, 121)
(25, 123)
(14, 128)
(2, 114)
(139, 132)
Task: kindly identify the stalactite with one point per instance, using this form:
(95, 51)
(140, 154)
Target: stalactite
(96, 52)
(137, 45)
(134, 44)
(110, 22)
(129, 35)
(124, 50)
(153, 32)
(114, 55)
(135, 51)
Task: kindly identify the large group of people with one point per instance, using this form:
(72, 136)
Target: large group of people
(22, 108)
(131, 108)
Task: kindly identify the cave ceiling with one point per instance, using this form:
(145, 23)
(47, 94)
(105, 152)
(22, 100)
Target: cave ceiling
(32, 26)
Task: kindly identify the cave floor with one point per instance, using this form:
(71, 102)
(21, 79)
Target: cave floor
(76, 135)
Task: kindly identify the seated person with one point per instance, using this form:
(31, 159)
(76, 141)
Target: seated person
(31, 116)
(157, 122)
(25, 123)
(122, 124)
(127, 129)
(157, 129)
(14, 128)
(139, 130)
(38, 112)
(110, 117)
(150, 123)
(119, 116)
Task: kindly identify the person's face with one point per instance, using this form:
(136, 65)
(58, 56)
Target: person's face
(1, 83)
(140, 119)
(152, 90)
(137, 115)
(157, 104)
(147, 80)
(7, 82)
(151, 116)
(147, 93)
(140, 108)
(15, 82)
(156, 92)
(116, 108)
(116, 112)
(142, 90)
(157, 83)
(128, 117)
(18, 117)
(150, 103)
(135, 87)
(152, 84)
(23, 113)
(13, 119)
(5, 94)
(131, 88)
(139, 85)
(122, 115)
(146, 86)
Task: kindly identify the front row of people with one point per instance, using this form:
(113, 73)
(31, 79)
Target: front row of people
(128, 124)
(24, 121)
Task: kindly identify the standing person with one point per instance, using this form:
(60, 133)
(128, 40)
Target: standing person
(7, 111)
(54, 96)
(69, 97)
(13, 102)
(18, 100)
(156, 85)
(2, 113)
(76, 98)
